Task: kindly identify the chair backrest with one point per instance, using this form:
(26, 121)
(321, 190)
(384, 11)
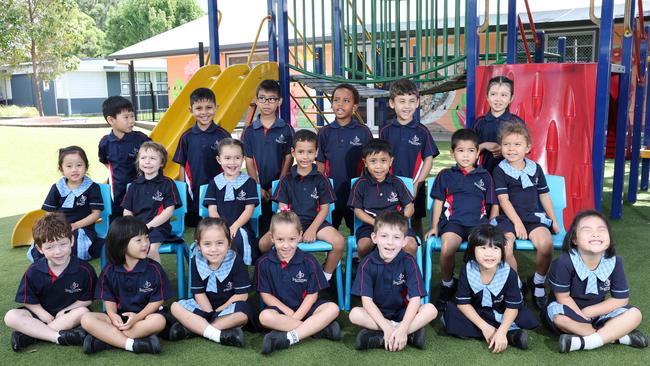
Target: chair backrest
(178, 218)
(101, 227)
(274, 205)
(257, 212)
(408, 182)
(203, 211)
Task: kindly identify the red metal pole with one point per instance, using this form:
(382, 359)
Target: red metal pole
(523, 37)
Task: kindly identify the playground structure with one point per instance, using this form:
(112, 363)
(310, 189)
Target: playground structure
(441, 45)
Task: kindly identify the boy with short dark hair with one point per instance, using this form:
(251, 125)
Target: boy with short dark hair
(197, 149)
(267, 145)
(462, 197)
(55, 291)
(390, 285)
(339, 153)
(118, 149)
(412, 143)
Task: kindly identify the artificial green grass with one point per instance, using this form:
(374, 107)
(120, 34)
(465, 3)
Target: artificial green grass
(37, 168)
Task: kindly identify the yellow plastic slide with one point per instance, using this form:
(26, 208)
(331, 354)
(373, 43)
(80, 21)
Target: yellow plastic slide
(234, 88)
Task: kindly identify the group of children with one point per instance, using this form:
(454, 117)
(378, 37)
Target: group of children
(493, 196)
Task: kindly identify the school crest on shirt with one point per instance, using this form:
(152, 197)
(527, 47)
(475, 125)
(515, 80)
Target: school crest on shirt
(480, 184)
(74, 288)
(215, 146)
(356, 141)
(81, 201)
(314, 194)
(146, 287)
(400, 280)
(497, 300)
(605, 286)
(134, 152)
(299, 277)
(392, 197)
(415, 141)
(228, 286)
(281, 139)
(158, 196)
(241, 196)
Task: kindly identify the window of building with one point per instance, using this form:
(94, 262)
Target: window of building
(242, 58)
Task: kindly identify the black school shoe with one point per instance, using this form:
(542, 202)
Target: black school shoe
(274, 341)
(20, 341)
(93, 345)
(149, 344)
(178, 332)
(72, 337)
(232, 337)
(416, 339)
(332, 332)
(518, 338)
(539, 301)
(638, 339)
(445, 295)
(367, 339)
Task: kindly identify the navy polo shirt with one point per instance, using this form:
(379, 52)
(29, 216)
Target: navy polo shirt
(411, 143)
(300, 277)
(147, 198)
(389, 284)
(231, 210)
(40, 286)
(133, 290)
(120, 156)
(487, 128)
(377, 197)
(83, 205)
(236, 283)
(268, 148)
(563, 278)
(339, 148)
(196, 152)
(304, 194)
(508, 298)
(525, 201)
(464, 195)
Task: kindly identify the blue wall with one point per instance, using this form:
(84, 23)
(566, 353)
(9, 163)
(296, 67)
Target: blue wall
(113, 83)
(81, 106)
(23, 94)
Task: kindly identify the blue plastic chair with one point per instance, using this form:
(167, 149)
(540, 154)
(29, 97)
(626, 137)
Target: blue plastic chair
(319, 246)
(352, 247)
(101, 227)
(557, 188)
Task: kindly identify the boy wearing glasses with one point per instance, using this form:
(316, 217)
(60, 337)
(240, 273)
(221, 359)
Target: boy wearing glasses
(267, 145)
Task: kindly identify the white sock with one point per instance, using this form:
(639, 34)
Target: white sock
(212, 333)
(292, 336)
(448, 283)
(625, 340)
(519, 282)
(328, 276)
(538, 279)
(129, 344)
(591, 342)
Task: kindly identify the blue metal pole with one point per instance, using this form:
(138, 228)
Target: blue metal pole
(382, 108)
(639, 95)
(539, 51)
(471, 51)
(602, 99)
(512, 32)
(621, 123)
(645, 163)
(337, 38)
(283, 59)
(273, 42)
(416, 115)
(213, 23)
(319, 94)
(561, 48)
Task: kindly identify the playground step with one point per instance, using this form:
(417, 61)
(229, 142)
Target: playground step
(328, 86)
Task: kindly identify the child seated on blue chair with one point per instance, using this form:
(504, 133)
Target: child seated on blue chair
(309, 194)
(390, 285)
(462, 196)
(378, 191)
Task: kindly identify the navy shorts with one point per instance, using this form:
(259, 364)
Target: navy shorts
(452, 227)
(555, 308)
(395, 315)
(311, 311)
(162, 235)
(420, 202)
(365, 230)
(504, 223)
(457, 324)
(305, 226)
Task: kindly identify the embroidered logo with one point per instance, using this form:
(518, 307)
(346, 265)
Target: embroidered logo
(299, 278)
(415, 140)
(215, 146)
(281, 139)
(392, 197)
(228, 286)
(82, 200)
(606, 286)
(480, 184)
(536, 180)
(356, 141)
(497, 299)
(158, 196)
(400, 280)
(146, 288)
(314, 194)
(134, 152)
(73, 288)
(241, 196)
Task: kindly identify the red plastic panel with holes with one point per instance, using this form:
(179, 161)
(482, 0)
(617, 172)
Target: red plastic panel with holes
(557, 101)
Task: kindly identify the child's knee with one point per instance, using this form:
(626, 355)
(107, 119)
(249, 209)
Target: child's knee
(411, 245)
(329, 308)
(357, 315)
(175, 308)
(11, 316)
(636, 315)
(428, 310)
(266, 317)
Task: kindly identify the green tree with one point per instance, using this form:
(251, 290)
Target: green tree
(136, 20)
(98, 10)
(92, 38)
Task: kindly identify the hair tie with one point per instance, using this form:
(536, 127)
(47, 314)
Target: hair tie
(285, 209)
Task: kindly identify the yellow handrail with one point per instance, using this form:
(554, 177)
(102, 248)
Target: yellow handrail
(259, 30)
(486, 22)
(627, 21)
(592, 13)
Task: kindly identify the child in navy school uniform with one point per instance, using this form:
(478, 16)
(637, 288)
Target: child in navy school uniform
(288, 281)
(378, 191)
(339, 154)
(489, 304)
(581, 277)
(133, 288)
(412, 143)
(500, 91)
(55, 291)
(220, 289)
(525, 204)
(118, 150)
(390, 285)
(79, 199)
(267, 146)
(232, 195)
(462, 196)
(197, 148)
(309, 194)
(152, 197)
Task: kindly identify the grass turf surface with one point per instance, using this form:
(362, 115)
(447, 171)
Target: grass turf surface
(28, 168)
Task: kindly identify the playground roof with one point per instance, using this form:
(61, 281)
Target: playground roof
(237, 32)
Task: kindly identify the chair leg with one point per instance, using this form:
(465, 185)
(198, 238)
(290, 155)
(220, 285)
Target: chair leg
(428, 268)
(180, 267)
(339, 286)
(352, 246)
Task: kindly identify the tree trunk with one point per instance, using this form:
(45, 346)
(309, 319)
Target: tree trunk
(36, 80)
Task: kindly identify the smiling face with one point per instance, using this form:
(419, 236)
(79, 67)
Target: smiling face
(304, 153)
(231, 158)
(405, 106)
(203, 112)
(389, 240)
(73, 168)
(285, 237)
(592, 236)
(343, 105)
(149, 162)
(487, 256)
(465, 154)
(499, 97)
(378, 164)
(514, 148)
(214, 245)
(138, 247)
(57, 252)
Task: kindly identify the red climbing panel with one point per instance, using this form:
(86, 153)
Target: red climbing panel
(557, 101)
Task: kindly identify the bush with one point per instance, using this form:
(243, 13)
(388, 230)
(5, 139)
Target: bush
(18, 111)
